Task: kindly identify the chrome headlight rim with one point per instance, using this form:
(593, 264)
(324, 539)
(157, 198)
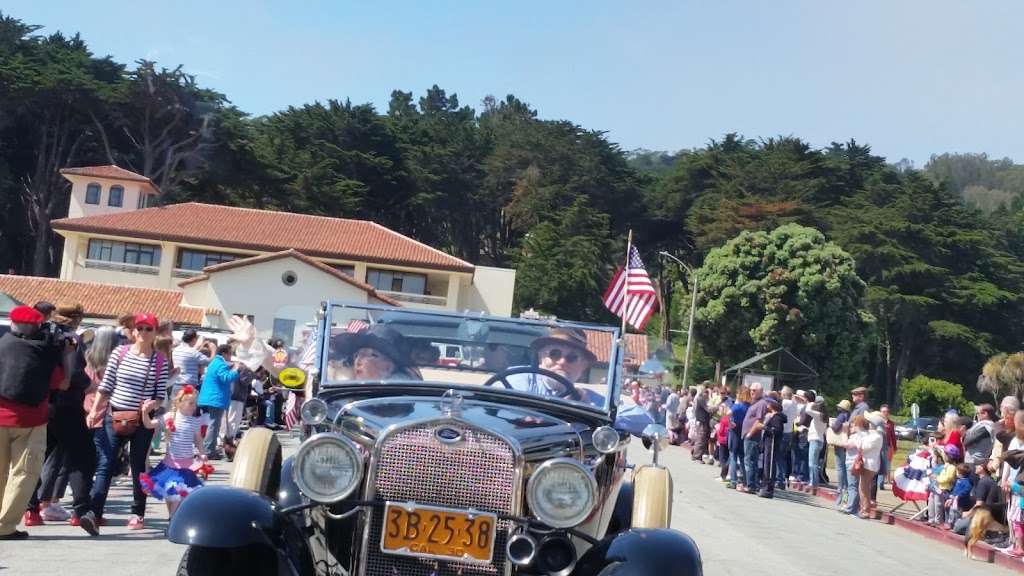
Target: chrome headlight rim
(345, 444)
(313, 411)
(538, 475)
(606, 439)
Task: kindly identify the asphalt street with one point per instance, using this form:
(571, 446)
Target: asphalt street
(737, 534)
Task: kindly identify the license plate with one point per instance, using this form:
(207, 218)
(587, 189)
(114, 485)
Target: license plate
(433, 532)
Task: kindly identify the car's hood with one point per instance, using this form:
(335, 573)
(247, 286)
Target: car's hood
(539, 434)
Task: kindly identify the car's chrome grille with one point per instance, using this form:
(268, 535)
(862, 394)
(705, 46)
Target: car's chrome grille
(413, 465)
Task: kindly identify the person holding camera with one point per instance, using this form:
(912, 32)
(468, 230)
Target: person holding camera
(30, 359)
(69, 445)
(135, 373)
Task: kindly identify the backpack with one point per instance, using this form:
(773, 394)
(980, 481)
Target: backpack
(26, 366)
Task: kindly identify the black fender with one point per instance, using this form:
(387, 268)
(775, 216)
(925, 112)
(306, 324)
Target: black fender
(225, 517)
(288, 494)
(642, 552)
(622, 514)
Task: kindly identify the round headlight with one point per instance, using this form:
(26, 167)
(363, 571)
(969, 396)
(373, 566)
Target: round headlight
(606, 439)
(328, 467)
(313, 411)
(561, 493)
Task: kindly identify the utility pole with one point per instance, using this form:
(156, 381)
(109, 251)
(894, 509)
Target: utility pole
(693, 308)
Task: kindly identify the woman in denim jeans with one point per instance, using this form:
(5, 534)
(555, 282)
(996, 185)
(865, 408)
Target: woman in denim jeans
(842, 480)
(739, 411)
(815, 438)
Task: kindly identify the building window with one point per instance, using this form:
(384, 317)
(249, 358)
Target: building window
(284, 330)
(92, 193)
(197, 259)
(116, 197)
(397, 281)
(124, 252)
(146, 200)
(346, 269)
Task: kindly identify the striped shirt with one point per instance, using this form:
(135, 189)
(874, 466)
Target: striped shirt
(188, 360)
(131, 380)
(182, 441)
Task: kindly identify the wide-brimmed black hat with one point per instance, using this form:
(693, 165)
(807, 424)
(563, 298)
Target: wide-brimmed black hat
(381, 337)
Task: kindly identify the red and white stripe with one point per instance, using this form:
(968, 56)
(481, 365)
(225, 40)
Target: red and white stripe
(631, 294)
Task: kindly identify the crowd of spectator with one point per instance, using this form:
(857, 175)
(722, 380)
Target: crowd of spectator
(80, 411)
(776, 440)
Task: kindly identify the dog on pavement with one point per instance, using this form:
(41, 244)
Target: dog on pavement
(982, 522)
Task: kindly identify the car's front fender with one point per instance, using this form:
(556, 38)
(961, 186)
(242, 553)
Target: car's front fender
(642, 552)
(224, 517)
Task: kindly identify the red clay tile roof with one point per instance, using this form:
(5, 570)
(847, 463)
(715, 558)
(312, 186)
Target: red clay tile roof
(600, 343)
(108, 171)
(298, 256)
(102, 300)
(266, 230)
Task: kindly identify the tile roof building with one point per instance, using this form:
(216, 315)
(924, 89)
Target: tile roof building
(273, 266)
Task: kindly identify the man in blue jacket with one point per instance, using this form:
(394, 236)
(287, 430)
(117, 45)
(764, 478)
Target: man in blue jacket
(215, 396)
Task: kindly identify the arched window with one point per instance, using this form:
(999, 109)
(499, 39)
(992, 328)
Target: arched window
(92, 193)
(116, 196)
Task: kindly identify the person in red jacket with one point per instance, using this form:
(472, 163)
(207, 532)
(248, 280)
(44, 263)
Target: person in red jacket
(29, 369)
(889, 449)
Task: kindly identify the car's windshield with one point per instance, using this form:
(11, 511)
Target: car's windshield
(557, 360)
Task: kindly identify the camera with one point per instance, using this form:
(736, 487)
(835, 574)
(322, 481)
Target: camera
(57, 335)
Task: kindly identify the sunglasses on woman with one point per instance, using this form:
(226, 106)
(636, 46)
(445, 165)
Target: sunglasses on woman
(144, 328)
(556, 354)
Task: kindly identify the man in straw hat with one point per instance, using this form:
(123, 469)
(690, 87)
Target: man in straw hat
(564, 352)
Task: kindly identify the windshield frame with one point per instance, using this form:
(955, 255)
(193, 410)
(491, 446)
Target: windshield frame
(613, 379)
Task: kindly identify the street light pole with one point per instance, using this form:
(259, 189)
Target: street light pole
(693, 307)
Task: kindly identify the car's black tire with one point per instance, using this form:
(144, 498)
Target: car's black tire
(248, 560)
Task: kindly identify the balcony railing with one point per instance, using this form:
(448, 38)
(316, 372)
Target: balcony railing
(122, 267)
(185, 273)
(416, 298)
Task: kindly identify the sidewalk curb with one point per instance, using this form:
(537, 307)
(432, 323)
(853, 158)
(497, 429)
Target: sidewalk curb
(982, 551)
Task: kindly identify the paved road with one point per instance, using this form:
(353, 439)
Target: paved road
(741, 534)
(737, 534)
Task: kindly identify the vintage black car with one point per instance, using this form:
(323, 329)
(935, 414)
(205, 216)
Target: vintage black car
(511, 460)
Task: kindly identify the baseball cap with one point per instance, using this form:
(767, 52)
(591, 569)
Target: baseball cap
(147, 319)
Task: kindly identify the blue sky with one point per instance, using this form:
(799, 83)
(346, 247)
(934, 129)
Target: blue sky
(910, 78)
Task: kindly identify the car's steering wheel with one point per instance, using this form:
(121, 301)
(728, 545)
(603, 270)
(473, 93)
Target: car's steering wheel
(570, 388)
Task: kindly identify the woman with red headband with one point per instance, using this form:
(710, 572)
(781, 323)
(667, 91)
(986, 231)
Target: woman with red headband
(136, 372)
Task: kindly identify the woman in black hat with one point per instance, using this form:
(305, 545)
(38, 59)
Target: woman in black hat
(378, 353)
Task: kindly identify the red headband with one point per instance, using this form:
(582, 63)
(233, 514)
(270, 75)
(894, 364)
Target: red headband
(188, 389)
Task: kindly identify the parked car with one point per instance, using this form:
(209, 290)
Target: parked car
(920, 427)
(445, 469)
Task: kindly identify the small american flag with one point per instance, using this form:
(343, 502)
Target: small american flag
(309, 352)
(631, 294)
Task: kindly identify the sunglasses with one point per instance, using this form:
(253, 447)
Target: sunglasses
(144, 328)
(556, 354)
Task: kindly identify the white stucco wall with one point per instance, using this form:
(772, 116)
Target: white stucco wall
(258, 290)
(79, 184)
(490, 291)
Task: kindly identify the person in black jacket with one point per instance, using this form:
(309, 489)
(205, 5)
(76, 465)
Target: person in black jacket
(68, 442)
(28, 371)
(771, 446)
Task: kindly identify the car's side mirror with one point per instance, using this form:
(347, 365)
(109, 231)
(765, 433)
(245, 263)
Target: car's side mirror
(656, 436)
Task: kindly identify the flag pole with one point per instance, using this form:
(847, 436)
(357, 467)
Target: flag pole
(625, 296)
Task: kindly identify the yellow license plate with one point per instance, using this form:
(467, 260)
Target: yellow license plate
(428, 531)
